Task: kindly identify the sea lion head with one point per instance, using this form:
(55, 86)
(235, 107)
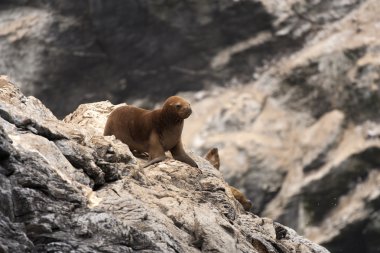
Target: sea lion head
(178, 106)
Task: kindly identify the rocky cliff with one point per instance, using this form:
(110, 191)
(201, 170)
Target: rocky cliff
(66, 188)
(95, 50)
(303, 140)
(297, 126)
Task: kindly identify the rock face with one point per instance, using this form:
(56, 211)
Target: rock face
(118, 49)
(302, 141)
(301, 138)
(64, 188)
(95, 50)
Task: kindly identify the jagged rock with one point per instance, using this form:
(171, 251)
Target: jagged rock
(328, 74)
(263, 150)
(318, 175)
(307, 156)
(49, 203)
(12, 237)
(5, 145)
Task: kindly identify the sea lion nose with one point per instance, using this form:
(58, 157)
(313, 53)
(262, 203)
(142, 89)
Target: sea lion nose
(188, 111)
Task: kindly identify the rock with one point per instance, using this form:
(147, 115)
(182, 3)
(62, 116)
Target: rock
(299, 138)
(339, 181)
(87, 193)
(123, 56)
(306, 154)
(193, 44)
(320, 138)
(300, 19)
(305, 172)
(13, 238)
(328, 74)
(5, 145)
(260, 151)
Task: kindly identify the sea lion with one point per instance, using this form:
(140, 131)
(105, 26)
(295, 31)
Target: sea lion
(239, 196)
(213, 157)
(154, 131)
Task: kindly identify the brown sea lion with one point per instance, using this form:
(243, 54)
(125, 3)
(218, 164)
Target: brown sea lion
(154, 131)
(239, 196)
(213, 157)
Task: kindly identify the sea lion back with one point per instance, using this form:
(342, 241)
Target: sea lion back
(128, 124)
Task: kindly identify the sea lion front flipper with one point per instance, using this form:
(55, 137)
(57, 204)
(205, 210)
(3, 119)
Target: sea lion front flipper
(179, 154)
(156, 151)
(155, 160)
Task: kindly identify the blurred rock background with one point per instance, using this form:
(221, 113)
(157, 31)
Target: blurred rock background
(288, 90)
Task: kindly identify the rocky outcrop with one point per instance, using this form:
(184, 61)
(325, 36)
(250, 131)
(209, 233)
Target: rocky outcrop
(64, 187)
(96, 50)
(302, 141)
(300, 138)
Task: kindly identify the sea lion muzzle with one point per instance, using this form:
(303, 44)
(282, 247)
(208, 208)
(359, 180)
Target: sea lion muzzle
(186, 112)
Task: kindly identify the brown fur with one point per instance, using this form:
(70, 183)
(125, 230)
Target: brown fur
(213, 157)
(239, 196)
(154, 131)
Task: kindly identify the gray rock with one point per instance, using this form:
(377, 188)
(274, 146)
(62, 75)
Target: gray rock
(48, 201)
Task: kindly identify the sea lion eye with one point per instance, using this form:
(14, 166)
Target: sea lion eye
(178, 106)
